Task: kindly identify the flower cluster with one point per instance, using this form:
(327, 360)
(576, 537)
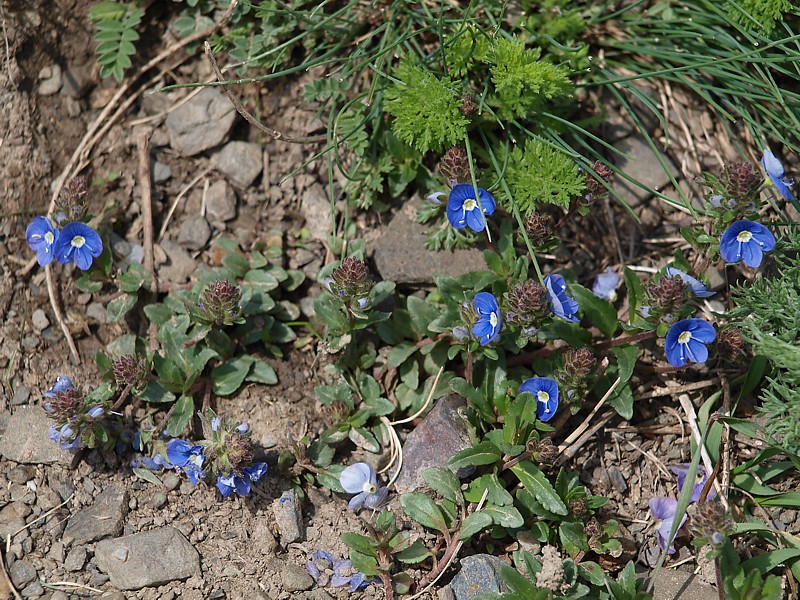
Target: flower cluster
(76, 242)
(360, 479)
(220, 304)
(326, 570)
(74, 417)
(351, 282)
(528, 305)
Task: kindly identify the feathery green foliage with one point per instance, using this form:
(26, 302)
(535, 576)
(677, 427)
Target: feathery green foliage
(116, 25)
(425, 109)
(765, 13)
(467, 49)
(541, 173)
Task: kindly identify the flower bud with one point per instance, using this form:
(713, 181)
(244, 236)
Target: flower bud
(132, 371)
(742, 181)
(579, 361)
(539, 228)
(454, 165)
(545, 451)
(712, 523)
(594, 185)
(670, 294)
(730, 344)
(64, 404)
(219, 303)
(528, 304)
(468, 107)
(70, 204)
(577, 507)
(351, 282)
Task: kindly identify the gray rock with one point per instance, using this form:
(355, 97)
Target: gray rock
(221, 201)
(240, 162)
(161, 171)
(643, 166)
(25, 439)
(39, 320)
(57, 552)
(400, 255)
(288, 517)
(674, 585)
(716, 279)
(97, 313)
(442, 433)
(22, 573)
(316, 209)
(296, 579)
(478, 574)
(33, 590)
(194, 232)
(77, 80)
(147, 559)
(103, 518)
(21, 474)
(201, 123)
(617, 479)
(12, 518)
(75, 559)
(50, 80)
(179, 266)
(59, 595)
(21, 395)
(445, 593)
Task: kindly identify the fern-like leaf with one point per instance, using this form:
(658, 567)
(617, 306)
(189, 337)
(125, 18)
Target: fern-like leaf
(116, 25)
(540, 173)
(762, 13)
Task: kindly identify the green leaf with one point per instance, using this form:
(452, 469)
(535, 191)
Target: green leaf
(360, 543)
(626, 359)
(118, 307)
(635, 293)
(181, 415)
(415, 553)
(147, 475)
(537, 484)
(599, 312)
(134, 277)
(156, 394)
(767, 561)
(474, 524)
(485, 453)
(444, 482)
(505, 516)
(474, 397)
(573, 537)
(400, 353)
(364, 563)
(495, 491)
(363, 438)
(423, 510)
(261, 372)
(228, 377)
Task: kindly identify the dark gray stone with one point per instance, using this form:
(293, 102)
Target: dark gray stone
(680, 585)
(240, 162)
(77, 80)
(288, 517)
(103, 518)
(400, 255)
(147, 559)
(33, 590)
(201, 123)
(25, 439)
(21, 395)
(194, 232)
(22, 573)
(221, 201)
(296, 579)
(179, 266)
(75, 559)
(442, 433)
(643, 166)
(478, 574)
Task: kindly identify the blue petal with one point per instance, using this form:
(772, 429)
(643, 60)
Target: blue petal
(354, 477)
(357, 501)
(178, 452)
(255, 471)
(475, 220)
(605, 285)
(698, 351)
(762, 236)
(695, 285)
(485, 303)
(752, 254)
(771, 164)
(225, 485)
(242, 485)
(701, 330)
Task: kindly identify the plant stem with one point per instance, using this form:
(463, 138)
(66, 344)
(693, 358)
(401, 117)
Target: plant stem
(121, 400)
(627, 339)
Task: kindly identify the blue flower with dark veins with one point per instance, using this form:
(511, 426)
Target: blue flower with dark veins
(774, 169)
(546, 392)
(490, 321)
(746, 240)
(463, 210)
(41, 237)
(78, 242)
(361, 479)
(561, 305)
(605, 285)
(686, 341)
(695, 286)
(663, 510)
(242, 482)
(186, 458)
(62, 384)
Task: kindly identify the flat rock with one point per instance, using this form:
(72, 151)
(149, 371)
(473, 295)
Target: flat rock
(288, 517)
(240, 162)
(39, 320)
(680, 585)
(103, 518)
(442, 433)
(12, 518)
(316, 209)
(147, 559)
(221, 201)
(296, 578)
(643, 166)
(400, 255)
(179, 266)
(161, 171)
(22, 572)
(21, 395)
(201, 123)
(25, 439)
(75, 559)
(194, 232)
(478, 574)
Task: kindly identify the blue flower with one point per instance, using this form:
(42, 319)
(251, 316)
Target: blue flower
(682, 470)
(546, 392)
(186, 458)
(695, 286)
(240, 482)
(490, 321)
(62, 384)
(360, 479)
(41, 237)
(78, 242)
(562, 305)
(66, 437)
(746, 240)
(605, 285)
(686, 341)
(774, 169)
(321, 565)
(463, 209)
(663, 510)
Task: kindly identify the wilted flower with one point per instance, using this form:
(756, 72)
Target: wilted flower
(561, 304)
(65, 436)
(41, 237)
(663, 510)
(220, 304)
(464, 210)
(686, 341)
(78, 242)
(361, 479)
(730, 343)
(240, 481)
(487, 328)
(682, 470)
(746, 240)
(186, 458)
(546, 392)
(774, 169)
(62, 384)
(605, 285)
(695, 286)
(326, 569)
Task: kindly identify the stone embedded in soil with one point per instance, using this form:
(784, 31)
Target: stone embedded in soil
(103, 518)
(194, 232)
(39, 320)
(295, 579)
(12, 518)
(147, 559)
(202, 123)
(179, 266)
(221, 201)
(288, 517)
(161, 171)
(33, 590)
(316, 209)
(25, 439)
(478, 574)
(240, 162)
(75, 559)
(21, 395)
(400, 254)
(643, 166)
(672, 585)
(22, 573)
(50, 80)
(77, 80)
(442, 433)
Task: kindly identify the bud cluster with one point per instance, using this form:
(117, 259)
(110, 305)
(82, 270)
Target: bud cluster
(132, 371)
(454, 165)
(742, 181)
(468, 107)
(70, 205)
(351, 282)
(595, 187)
(528, 305)
(730, 344)
(667, 298)
(67, 406)
(543, 451)
(574, 376)
(539, 228)
(712, 523)
(227, 447)
(220, 304)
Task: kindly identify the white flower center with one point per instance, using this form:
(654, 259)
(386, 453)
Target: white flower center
(684, 337)
(469, 204)
(493, 319)
(78, 241)
(542, 396)
(744, 237)
(369, 488)
(49, 238)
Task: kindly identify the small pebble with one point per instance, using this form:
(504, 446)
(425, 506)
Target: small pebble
(40, 320)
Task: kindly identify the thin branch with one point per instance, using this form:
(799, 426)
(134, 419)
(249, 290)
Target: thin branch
(59, 318)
